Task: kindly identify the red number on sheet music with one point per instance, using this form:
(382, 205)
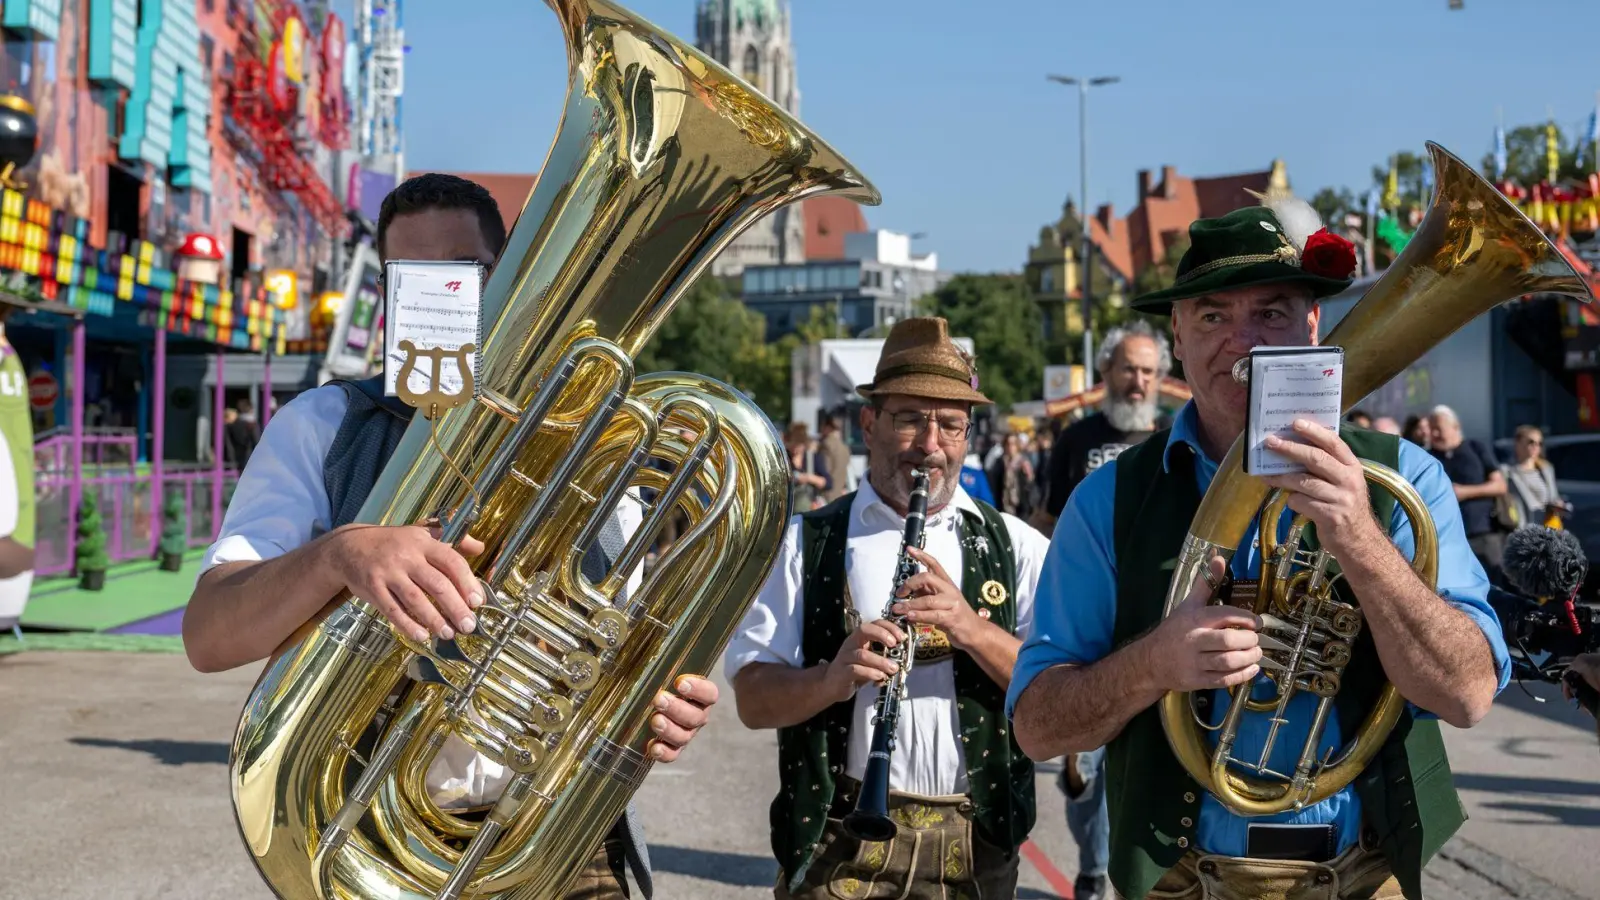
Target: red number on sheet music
(456, 286)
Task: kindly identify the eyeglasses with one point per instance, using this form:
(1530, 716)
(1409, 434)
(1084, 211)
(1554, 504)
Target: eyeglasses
(909, 424)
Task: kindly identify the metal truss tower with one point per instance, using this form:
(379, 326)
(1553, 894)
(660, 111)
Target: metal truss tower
(380, 35)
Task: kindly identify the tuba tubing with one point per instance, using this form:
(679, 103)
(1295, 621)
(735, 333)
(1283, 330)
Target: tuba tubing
(662, 157)
(1473, 251)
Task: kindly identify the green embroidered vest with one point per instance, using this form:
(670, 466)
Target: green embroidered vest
(810, 755)
(1407, 795)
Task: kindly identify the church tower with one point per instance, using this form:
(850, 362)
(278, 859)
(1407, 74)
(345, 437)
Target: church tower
(751, 38)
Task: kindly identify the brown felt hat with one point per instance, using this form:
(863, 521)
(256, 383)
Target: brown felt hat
(920, 360)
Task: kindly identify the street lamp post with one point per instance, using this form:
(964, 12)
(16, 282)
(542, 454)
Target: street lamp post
(1083, 85)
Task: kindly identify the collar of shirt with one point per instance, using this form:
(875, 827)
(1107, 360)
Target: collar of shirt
(869, 506)
(1185, 430)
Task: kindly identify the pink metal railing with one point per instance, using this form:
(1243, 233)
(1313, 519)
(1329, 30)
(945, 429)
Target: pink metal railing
(52, 451)
(125, 496)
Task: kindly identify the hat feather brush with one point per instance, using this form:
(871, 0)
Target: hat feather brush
(1298, 219)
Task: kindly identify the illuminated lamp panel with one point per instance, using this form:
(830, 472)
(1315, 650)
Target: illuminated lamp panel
(37, 19)
(113, 42)
(171, 101)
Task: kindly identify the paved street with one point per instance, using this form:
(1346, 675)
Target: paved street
(113, 770)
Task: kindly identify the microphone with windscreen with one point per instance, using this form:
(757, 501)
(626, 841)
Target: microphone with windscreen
(1549, 567)
(1543, 562)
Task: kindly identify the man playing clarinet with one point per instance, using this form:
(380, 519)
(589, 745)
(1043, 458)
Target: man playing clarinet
(810, 657)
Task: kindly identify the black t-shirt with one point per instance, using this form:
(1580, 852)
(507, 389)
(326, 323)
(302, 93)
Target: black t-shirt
(1470, 463)
(1084, 446)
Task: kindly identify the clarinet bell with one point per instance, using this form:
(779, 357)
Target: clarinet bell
(869, 821)
(869, 827)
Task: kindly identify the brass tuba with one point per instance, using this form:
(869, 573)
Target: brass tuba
(661, 159)
(1473, 251)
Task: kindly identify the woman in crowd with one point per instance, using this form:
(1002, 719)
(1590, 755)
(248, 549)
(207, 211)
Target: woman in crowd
(807, 478)
(1418, 431)
(1532, 480)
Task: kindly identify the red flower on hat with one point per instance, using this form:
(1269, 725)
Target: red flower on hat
(1328, 255)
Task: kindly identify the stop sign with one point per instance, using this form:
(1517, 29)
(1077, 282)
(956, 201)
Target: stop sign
(42, 390)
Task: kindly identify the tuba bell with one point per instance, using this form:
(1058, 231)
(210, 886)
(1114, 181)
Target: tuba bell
(1473, 251)
(661, 159)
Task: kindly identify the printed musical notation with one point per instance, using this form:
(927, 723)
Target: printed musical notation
(1289, 383)
(432, 305)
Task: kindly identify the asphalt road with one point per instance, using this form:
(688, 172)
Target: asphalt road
(113, 778)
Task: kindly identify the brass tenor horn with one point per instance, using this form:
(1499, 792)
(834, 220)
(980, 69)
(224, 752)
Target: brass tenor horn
(662, 157)
(1473, 251)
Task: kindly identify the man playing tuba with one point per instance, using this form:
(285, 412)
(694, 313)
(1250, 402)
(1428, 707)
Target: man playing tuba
(806, 659)
(289, 542)
(1102, 652)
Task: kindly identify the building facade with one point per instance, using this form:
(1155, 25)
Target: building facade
(168, 191)
(874, 284)
(751, 38)
(1054, 268)
(1123, 248)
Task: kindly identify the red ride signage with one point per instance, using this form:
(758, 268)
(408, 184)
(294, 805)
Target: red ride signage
(42, 390)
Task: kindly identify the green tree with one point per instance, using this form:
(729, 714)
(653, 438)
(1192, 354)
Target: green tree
(1408, 178)
(174, 532)
(711, 333)
(999, 313)
(1333, 205)
(1160, 274)
(1526, 163)
(90, 552)
(821, 324)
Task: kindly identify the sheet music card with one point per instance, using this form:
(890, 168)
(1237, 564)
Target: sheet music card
(1289, 383)
(435, 306)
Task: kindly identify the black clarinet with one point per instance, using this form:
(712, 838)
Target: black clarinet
(870, 820)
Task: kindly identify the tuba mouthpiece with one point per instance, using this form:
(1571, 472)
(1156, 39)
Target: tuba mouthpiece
(1241, 370)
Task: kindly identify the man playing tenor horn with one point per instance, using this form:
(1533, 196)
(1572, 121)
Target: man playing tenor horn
(1102, 654)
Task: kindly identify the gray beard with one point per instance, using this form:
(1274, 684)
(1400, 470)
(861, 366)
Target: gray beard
(1129, 415)
(894, 487)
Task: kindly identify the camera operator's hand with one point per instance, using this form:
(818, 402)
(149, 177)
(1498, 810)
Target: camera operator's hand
(1586, 665)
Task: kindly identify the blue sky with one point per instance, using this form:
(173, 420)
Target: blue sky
(946, 107)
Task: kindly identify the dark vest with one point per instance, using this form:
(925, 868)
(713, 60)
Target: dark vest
(810, 755)
(372, 428)
(367, 437)
(1407, 795)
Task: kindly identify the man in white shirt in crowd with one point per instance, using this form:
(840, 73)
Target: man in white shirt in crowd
(289, 544)
(804, 663)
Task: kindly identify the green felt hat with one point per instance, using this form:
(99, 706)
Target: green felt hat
(1250, 246)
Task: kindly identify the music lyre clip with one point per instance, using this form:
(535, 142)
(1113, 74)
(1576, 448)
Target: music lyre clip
(435, 398)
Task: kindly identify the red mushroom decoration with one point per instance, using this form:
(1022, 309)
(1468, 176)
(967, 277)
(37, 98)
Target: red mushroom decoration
(200, 259)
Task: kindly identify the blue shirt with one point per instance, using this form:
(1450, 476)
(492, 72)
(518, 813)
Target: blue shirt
(976, 484)
(1076, 609)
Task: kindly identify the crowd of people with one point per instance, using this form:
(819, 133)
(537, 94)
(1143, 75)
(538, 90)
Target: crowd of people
(1498, 493)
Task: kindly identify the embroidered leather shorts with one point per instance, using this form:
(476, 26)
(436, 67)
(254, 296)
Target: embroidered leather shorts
(605, 878)
(935, 856)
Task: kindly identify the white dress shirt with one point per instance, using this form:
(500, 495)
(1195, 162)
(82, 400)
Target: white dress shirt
(928, 757)
(281, 503)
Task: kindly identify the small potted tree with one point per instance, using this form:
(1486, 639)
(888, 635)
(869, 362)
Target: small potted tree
(91, 553)
(174, 533)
